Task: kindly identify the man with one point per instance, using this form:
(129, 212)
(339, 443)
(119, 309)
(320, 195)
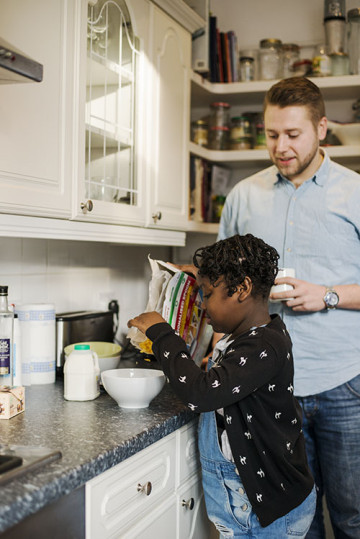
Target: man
(308, 208)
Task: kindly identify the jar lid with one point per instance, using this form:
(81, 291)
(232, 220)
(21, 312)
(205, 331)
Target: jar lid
(220, 104)
(246, 59)
(291, 47)
(354, 13)
(200, 123)
(270, 42)
(219, 128)
(3, 289)
(82, 347)
(302, 63)
(339, 55)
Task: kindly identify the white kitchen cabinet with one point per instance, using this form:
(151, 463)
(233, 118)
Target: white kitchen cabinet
(339, 94)
(36, 119)
(168, 106)
(155, 493)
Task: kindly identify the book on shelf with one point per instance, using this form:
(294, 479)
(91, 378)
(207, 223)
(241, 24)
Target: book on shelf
(207, 181)
(223, 53)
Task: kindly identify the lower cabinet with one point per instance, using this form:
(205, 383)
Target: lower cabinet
(155, 493)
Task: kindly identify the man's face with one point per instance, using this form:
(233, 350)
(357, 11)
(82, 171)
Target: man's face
(293, 140)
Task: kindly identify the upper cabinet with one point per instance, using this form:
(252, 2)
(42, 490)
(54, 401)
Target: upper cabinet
(112, 89)
(168, 106)
(36, 119)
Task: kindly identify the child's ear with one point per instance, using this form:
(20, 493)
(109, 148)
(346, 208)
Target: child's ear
(244, 289)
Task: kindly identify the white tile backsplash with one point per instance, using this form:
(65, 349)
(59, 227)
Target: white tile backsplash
(78, 275)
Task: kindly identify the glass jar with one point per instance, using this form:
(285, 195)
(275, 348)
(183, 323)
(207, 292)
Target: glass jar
(240, 133)
(321, 62)
(220, 113)
(260, 136)
(270, 59)
(354, 40)
(199, 133)
(302, 68)
(339, 64)
(247, 68)
(291, 54)
(219, 137)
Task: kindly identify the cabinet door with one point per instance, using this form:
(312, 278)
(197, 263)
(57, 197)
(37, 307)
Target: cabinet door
(120, 497)
(168, 133)
(159, 524)
(193, 522)
(36, 142)
(112, 86)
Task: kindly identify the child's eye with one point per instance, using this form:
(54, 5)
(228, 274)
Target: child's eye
(207, 296)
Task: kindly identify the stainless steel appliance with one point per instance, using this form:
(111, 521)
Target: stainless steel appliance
(81, 326)
(15, 66)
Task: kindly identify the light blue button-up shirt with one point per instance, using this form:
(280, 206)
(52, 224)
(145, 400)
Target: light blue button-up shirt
(316, 230)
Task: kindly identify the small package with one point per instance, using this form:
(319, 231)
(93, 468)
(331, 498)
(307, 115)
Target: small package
(175, 295)
(12, 401)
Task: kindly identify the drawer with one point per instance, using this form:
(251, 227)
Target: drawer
(189, 461)
(114, 500)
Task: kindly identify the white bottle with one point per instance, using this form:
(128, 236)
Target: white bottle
(6, 339)
(81, 374)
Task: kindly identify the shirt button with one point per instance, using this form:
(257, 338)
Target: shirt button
(291, 223)
(244, 507)
(289, 249)
(241, 490)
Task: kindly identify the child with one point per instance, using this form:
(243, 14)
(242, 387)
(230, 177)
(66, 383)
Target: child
(255, 474)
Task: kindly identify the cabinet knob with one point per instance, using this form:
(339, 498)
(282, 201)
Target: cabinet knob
(86, 206)
(188, 504)
(156, 216)
(146, 488)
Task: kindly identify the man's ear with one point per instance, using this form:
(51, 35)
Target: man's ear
(244, 289)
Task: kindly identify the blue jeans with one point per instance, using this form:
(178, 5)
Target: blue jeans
(227, 504)
(332, 435)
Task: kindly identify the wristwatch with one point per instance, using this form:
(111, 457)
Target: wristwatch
(331, 298)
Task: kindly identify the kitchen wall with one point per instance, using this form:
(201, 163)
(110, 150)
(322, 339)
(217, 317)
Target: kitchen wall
(78, 275)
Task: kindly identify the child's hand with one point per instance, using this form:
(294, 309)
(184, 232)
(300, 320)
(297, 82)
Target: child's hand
(145, 320)
(186, 268)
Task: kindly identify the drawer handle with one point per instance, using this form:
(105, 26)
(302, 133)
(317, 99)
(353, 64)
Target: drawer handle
(188, 504)
(146, 488)
(86, 206)
(156, 216)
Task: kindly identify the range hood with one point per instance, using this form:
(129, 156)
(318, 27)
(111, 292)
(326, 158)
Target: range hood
(15, 66)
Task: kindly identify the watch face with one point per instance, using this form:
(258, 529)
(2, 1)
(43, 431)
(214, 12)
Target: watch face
(331, 299)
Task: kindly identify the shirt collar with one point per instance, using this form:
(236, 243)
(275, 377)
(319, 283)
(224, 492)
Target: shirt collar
(321, 174)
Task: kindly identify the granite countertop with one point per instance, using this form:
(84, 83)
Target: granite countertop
(92, 437)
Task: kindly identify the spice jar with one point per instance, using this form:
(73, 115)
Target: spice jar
(270, 59)
(247, 68)
(339, 64)
(218, 202)
(220, 114)
(302, 68)
(200, 132)
(219, 137)
(291, 54)
(260, 136)
(321, 63)
(240, 133)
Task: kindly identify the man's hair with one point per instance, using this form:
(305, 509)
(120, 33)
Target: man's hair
(297, 91)
(238, 257)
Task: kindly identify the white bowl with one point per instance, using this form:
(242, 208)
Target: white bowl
(348, 134)
(133, 388)
(108, 353)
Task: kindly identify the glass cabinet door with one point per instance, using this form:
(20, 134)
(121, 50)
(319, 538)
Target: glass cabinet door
(112, 57)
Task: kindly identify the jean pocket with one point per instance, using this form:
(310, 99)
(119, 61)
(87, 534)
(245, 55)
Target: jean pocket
(299, 520)
(354, 386)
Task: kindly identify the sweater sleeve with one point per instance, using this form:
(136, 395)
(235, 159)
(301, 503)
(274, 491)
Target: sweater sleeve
(246, 367)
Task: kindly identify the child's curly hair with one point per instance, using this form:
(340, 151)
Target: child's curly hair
(238, 257)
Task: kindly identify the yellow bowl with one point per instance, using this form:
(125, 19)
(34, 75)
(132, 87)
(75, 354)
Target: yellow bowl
(107, 352)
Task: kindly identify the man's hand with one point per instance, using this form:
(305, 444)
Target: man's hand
(145, 320)
(304, 297)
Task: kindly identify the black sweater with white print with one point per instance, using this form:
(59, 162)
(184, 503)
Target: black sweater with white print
(253, 383)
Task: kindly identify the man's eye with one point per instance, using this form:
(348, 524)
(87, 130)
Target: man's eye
(293, 136)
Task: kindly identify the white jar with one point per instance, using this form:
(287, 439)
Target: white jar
(81, 374)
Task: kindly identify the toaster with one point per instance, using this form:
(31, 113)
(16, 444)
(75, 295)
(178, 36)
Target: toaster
(81, 326)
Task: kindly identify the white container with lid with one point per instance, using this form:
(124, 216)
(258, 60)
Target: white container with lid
(81, 374)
